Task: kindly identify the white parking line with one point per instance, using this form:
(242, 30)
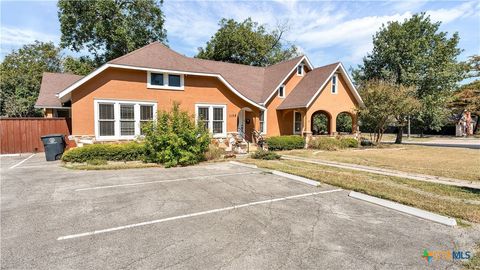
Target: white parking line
(19, 163)
(165, 181)
(192, 215)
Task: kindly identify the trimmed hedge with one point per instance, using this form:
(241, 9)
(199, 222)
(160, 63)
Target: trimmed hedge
(113, 152)
(285, 142)
(267, 155)
(332, 144)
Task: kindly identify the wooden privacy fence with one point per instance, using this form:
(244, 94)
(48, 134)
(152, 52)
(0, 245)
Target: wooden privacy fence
(22, 135)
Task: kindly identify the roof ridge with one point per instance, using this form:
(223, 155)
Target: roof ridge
(137, 50)
(224, 62)
(285, 61)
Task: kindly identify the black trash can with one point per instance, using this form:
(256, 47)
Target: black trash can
(54, 145)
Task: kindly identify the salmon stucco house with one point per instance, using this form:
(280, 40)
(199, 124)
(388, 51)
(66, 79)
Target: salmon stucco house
(110, 103)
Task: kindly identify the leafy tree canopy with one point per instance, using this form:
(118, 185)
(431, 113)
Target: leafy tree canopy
(110, 28)
(414, 53)
(385, 104)
(247, 43)
(21, 75)
(79, 66)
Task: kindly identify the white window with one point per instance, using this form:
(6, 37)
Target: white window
(121, 119)
(263, 122)
(281, 91)
(334, 84)
(300, 70)
(165, 81)
(297, 122)
(214, 117)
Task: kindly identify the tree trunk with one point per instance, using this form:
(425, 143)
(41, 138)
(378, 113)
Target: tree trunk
(398, 140)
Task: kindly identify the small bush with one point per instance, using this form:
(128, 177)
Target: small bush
(366, 142)
(267, 155)
(349, 142)
(327, 143)
(214, 152)
(114, 152)
(285, 142)
(174, 139)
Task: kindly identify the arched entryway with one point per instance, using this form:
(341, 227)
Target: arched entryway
(320, 123)
(344, 123)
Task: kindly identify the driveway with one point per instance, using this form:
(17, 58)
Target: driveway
(202, 217)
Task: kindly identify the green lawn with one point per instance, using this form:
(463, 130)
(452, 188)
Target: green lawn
(461, 203)
(459, 163)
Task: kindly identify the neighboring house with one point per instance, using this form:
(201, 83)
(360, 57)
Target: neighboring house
(112, 102)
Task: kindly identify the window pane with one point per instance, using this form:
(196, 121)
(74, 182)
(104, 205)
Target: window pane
(217, 127)
(217, 113)
(203, 113)
(126, 112)
(174, 80)
(156, 78)
(146, 112)
(334, 79)
(127, 128)
(299, 70)
(262, 116)
(298, 116)
(107, 128)
(281, 91)
(297, 126)
(105, 111)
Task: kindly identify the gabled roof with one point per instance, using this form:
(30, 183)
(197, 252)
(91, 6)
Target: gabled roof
(312, 84)
(52, 84)
(254, 84)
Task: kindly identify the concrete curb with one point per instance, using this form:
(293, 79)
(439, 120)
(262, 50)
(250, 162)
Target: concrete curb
(243, 164)
(405, 209)
(296, 178)
(282, 174)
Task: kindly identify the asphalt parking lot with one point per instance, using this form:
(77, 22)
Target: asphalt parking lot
(202, 217)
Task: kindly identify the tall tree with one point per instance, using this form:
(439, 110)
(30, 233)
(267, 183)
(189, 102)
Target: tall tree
(21, 74)
(385, 104)
(247, 43)
(79, 66)
(415, 53)
(110, 28)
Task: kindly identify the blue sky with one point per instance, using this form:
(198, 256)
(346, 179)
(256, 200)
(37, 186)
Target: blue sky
(326, 31)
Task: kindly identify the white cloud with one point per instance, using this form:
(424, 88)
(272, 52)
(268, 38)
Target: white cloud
(17, 37)
(467, 9)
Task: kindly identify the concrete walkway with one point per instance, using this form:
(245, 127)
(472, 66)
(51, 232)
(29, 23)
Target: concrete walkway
(377, 170)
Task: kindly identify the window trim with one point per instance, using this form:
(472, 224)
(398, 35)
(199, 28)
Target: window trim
(165, 81)
(264, 121)
(301, 123)
(210, 118)
(116, 117)
(302, 70)
(334, 85)
(284, 88)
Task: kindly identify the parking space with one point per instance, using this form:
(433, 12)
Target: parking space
(208, 216)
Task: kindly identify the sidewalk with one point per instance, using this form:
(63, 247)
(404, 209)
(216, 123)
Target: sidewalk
(377, 170)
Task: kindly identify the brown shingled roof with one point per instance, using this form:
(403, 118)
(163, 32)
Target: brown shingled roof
(256, 83)
(53, 83)
(307, 87)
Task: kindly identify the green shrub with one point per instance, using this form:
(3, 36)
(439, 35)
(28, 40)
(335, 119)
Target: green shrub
(267, 155)
(174, 139)
(214, 152)
(285, 142)
(114, 152)
(349, 142)
(326, 143)
(332, 144)
(366, 142)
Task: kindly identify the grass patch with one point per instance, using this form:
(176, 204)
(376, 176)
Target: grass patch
(452, 201)
(459, 163)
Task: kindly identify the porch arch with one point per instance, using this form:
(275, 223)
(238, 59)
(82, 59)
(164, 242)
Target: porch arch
(345, 122)
(320, 123)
